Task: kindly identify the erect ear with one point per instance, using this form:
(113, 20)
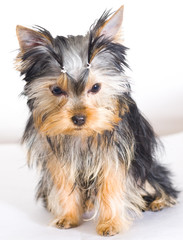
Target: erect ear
(29, 38)
(112, 26)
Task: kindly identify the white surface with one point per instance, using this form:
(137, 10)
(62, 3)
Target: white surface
(23, 219)
(152, 31)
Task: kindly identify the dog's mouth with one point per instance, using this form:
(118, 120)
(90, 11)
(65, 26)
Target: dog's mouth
(78, 129)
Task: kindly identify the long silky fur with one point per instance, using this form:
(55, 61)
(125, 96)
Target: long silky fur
(131, 145)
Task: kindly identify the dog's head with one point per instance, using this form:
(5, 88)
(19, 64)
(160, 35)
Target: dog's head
(74, 83)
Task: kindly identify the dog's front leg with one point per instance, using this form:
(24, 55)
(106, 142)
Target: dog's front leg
(64, 200)
(112, 213)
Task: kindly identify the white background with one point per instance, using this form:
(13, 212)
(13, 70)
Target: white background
(153, 30)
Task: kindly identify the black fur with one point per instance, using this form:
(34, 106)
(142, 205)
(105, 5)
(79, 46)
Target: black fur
(145, 165)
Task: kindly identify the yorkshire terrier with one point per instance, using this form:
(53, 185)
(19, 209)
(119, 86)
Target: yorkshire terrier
(85, 132)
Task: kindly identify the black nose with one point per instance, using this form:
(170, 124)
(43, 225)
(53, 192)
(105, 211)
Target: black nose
(79, 120)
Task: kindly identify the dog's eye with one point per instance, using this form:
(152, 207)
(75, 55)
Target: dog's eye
(57, 91)
(95, 88)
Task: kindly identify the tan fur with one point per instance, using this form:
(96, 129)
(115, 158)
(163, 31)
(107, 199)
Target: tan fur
(106, 22)
(161, 202)
(88, 205)
(64, 201)
(60, 110)
(95, 53)
(62, 81)
(112, 216)
(20, 32)
(147, 189)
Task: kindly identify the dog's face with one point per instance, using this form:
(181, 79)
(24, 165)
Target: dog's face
(74, 83)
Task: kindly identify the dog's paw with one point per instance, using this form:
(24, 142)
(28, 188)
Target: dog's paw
(108, 229)
(157, 205)
(66, 222)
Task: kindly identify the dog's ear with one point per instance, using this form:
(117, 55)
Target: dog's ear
(29, 38)
(112, 26)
